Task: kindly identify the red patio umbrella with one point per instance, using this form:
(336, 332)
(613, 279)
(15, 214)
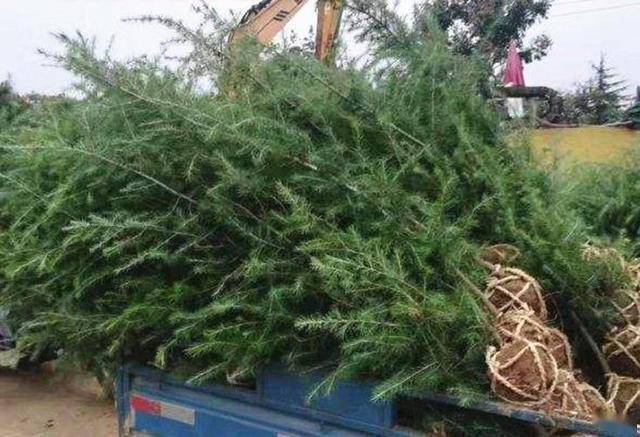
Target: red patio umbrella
(514, 70)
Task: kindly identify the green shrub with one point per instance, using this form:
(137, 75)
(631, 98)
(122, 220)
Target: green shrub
(607, 197)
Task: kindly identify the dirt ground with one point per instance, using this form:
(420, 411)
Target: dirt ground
(40, 405)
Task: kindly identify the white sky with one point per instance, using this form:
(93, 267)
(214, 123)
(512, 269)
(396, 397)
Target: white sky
(25, 26)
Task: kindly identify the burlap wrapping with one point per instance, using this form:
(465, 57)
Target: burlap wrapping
(522, 372)
(623, 350)
(512, 289)
(524, 324)
(623, 395)
(499, 254)
(572, 398)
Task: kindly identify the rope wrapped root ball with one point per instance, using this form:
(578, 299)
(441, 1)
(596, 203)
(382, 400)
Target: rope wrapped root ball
(522, 372)
(633, 271)
(624, 397)
(512, 289)
(524, 324)
(572, 398)
(596, 402)
(593, 253)
(626, 300)
(623, 350)
(627, 303)
(499, 254)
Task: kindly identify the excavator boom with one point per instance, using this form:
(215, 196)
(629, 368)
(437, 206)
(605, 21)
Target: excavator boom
(329, 18)
(269, 17)
(266, 19)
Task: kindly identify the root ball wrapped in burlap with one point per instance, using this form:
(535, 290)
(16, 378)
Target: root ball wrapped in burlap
(598, 404)
(512, 289)
(626, 300)
(499, 254)
(572, 398)
(633, 271)
(593, 253)
(627, 303)
(623, 350)
(522, 372)
(524, 324)
(623, 395)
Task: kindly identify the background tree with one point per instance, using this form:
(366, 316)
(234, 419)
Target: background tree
(473, 26)
(11, 105)
(633, 113)
(6, 92)
(599, 100)
(576, 108)
(606, 94)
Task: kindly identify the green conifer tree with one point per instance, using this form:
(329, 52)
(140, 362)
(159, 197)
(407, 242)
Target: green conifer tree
(606, 94)
(599, 100)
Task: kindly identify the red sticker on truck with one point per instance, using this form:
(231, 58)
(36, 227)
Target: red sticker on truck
(145, 405)
(163, 409)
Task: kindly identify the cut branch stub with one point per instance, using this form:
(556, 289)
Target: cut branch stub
(522, 372)
(623, 350)
(524, 324)
(512, 289)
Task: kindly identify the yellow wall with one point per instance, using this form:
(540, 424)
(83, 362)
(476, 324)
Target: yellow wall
(592, 144)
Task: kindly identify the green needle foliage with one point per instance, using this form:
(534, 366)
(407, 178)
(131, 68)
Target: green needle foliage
(303, 214)
(607, 196)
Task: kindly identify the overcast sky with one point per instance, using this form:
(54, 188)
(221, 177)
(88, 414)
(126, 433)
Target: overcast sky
(581, 31)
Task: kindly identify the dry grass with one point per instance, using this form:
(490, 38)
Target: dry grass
(584, 145)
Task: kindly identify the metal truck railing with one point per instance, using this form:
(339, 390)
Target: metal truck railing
(152, 403)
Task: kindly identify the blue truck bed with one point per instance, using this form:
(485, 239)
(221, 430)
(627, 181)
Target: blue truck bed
(152, 403)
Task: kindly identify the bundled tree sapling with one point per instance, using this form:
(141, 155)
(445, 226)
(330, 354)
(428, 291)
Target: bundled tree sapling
(298, 214)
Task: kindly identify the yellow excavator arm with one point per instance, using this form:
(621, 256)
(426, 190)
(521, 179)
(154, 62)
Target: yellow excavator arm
(269, 17)
(329, 18)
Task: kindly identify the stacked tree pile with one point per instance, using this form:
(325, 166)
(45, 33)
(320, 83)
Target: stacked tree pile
(533, 366)
(300, 214)
(622, 348)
